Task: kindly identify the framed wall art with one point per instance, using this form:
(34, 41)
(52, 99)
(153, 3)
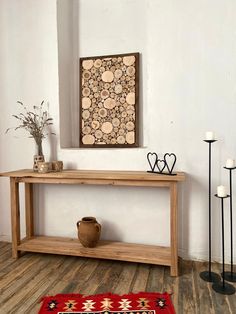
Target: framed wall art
(109, 101)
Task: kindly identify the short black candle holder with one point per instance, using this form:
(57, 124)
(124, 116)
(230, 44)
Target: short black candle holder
(222, 286)
(231, 275)
(208, 275)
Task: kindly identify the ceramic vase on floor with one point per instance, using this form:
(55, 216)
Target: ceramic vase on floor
(89, 231)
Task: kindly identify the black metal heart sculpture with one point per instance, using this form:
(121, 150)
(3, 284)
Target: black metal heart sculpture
(170, 160)
(161, 164)
(152, 160)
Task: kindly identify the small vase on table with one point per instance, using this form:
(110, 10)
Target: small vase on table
(39, 154)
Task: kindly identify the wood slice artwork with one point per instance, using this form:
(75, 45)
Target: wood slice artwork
(109, 96)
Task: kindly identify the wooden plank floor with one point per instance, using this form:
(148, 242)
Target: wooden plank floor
(24, 281)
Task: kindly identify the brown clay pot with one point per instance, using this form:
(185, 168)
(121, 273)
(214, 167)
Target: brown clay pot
(88, 231)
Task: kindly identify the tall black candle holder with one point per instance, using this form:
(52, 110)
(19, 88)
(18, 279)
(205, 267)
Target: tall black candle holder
(222, 286)
(231, 275)
(208, 275)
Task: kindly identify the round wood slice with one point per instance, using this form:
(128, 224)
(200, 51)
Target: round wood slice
(87, 64)
(131, 82)
(107, 85)
(115, 122)
(98, 134)
(122, 100)
(130, 98)
(109, 103)
(95, 89)
(118, 89)
(113, 141)
(95, 116)
(130, 107)
(86, 102)
(130, 137)
(118, 73)
(85, 114)
(121, 131)
(120, 139)
(88, 139)
(86, 75)
(105, 137)
(130, 71)
(130, 126)
(129, 60)
(113, 68)
(86, 92)
(124, 114)
(97, 63)
(102, 112)
(86, 130)
(107, 76)
(95, 124)
(104, 93)
(107, 127)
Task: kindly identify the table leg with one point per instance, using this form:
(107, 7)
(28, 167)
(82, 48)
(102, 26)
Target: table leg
(174, 229)
(29, 212)
(15, 216)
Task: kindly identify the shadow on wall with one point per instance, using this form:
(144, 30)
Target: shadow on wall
(186, 191)
(109, 231)
(53, 146)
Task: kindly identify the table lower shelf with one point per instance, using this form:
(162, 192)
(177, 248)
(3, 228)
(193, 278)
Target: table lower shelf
(121, 251)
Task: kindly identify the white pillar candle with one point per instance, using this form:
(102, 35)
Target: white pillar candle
(210, 136)
(230, 163)
(221, 191)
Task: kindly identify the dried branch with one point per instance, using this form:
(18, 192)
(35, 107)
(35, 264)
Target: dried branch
(35, 122)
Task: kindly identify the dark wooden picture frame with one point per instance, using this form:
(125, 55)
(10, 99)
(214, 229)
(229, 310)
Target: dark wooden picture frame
(109, 101)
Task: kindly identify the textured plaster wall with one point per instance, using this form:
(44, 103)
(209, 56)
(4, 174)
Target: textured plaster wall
(188, 87)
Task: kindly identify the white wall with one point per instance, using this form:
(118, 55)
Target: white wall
(188, 87)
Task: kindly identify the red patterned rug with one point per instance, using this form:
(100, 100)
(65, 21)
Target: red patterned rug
(140, 303)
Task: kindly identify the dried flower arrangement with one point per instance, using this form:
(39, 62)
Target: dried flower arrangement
(35, 122)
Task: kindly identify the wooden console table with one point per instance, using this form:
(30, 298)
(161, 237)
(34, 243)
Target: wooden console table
(150, 254)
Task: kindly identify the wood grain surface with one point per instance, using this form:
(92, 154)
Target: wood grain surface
(96, 175)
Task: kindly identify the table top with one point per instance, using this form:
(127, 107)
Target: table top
(96, 174)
